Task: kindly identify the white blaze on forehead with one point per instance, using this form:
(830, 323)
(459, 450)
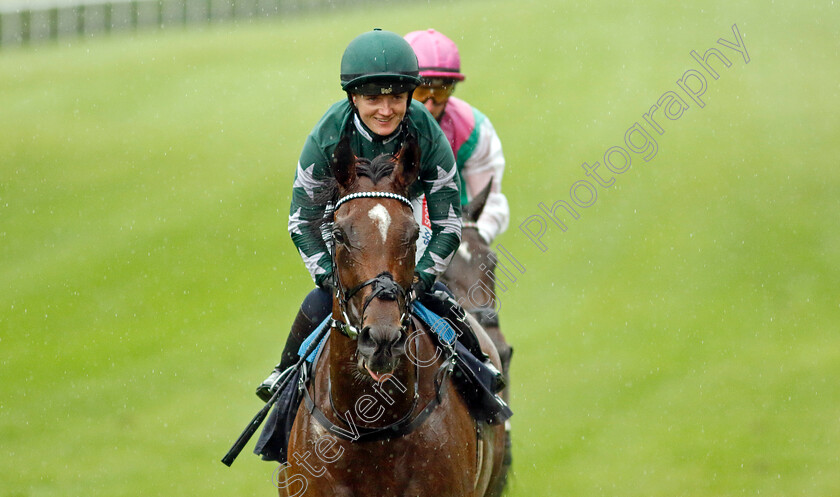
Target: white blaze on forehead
(464, 251)
(382, 219)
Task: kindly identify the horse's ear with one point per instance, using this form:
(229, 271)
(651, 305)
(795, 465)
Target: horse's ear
(407, 169)
(473, 209)
(343, 163)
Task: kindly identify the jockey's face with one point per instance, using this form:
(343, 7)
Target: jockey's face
(434, 94)
(435, 108)
(381, 113)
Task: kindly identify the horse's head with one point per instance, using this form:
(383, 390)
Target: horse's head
(374, 235)
(473, 265)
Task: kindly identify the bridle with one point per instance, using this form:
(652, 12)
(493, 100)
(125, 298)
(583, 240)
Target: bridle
(383, 285)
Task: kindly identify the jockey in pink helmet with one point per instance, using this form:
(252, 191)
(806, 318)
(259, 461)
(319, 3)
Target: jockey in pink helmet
(475, 144)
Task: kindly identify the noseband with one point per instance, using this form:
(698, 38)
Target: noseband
(383, 286)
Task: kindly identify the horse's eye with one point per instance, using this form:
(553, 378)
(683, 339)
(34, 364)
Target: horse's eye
(338, 236)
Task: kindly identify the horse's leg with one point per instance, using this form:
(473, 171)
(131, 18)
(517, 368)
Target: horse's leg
(493, 343)
(496, 436)
(505, 353)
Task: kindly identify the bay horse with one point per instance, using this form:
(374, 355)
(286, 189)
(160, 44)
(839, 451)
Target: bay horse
(381, 415)
(471, 276)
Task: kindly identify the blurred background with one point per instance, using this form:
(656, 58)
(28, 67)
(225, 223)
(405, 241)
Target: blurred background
(680, 338)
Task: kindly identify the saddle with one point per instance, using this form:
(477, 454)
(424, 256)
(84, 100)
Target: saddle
(475, 382)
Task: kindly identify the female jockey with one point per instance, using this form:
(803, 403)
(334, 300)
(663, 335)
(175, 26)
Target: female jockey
(379, 72)
(474, 142)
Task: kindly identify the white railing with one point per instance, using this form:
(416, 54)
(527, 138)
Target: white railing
(35, 21)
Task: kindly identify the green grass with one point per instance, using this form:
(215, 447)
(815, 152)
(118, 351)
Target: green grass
(679, 339)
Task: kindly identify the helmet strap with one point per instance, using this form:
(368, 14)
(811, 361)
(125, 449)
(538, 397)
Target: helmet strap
(350, 99)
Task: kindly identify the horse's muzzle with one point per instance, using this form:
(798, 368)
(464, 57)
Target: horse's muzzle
(380, 348)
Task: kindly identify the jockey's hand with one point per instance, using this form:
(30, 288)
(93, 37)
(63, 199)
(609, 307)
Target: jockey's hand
(328, 284)
(419, 286)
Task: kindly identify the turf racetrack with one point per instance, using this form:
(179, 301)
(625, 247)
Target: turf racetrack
(680, 338)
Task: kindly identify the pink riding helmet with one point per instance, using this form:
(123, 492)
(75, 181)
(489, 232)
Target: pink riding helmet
(437, 55)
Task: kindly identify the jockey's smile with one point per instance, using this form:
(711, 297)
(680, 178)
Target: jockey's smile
(381, 113)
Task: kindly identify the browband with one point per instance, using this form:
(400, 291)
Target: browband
(373, 195)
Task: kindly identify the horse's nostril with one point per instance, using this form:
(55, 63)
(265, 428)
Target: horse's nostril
(398, 345)
(365, 342)
(394, 346)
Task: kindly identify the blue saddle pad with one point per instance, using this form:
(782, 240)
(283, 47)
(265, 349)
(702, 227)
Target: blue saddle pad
(437, 324)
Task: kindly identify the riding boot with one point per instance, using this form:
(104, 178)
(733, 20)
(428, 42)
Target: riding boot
(301, 328)
(467, 336)
(446, 307)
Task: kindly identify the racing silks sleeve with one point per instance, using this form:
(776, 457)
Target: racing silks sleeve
(441, 185)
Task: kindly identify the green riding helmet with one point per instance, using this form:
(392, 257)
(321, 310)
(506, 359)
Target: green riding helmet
(379, 63)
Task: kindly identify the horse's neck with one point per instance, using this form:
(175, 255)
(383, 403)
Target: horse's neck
(370, 403)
